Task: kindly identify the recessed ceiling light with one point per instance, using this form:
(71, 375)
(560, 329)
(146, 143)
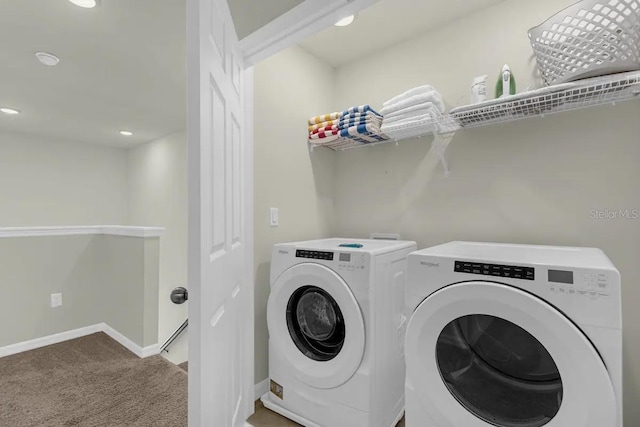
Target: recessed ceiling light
(126, 133)
(345, 21)
(47, 58)
(9, 111)
(87, 4)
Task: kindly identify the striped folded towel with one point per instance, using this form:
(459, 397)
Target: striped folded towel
(408, 94)
(368, 139)
(360, 115)
(324, 140)
(324, 134)
(324, 118)
(361, 121)
(324, 129)
(364, 133)
(324, 124)
(359, 109)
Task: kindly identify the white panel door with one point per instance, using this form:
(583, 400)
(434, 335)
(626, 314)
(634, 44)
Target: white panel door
(220, 218)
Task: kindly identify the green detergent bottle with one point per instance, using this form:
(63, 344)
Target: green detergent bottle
(506, 83)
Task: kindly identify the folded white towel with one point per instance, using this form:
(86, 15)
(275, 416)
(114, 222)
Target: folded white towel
(411, 128)
(432, 96)
(406, 122)
(415, 109)
(409, 117)
(408, 94)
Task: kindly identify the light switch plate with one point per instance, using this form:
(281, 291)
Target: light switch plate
(56, 300)
(274, 217)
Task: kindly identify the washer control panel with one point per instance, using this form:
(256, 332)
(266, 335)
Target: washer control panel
(498, 270)
(351, 261)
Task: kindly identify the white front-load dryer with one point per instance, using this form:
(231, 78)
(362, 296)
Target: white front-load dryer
(513, 335)
(336, 332)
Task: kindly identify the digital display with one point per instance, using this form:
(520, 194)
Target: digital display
(560, 276)
(345, 257)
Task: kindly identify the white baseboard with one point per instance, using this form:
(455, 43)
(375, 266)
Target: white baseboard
(20, 347)
(261, 388)
(134, 348)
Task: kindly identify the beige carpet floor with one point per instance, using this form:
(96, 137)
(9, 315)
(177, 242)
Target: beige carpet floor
(95, 382)
(90, 382)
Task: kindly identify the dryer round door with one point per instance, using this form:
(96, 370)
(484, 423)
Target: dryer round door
(315, 323)
(486, 354)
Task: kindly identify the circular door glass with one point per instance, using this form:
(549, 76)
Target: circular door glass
(499, 372)
(315, 323)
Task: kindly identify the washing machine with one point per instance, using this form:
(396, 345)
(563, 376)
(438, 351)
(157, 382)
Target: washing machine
(336, 332)
(513, 335)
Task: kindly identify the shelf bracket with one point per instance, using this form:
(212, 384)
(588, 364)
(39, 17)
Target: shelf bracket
(440, 143)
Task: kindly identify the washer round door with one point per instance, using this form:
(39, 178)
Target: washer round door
(486, 354)
(316, 324)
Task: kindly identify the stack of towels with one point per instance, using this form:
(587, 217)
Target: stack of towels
(362, 124)
(413, 108)
(323, 129)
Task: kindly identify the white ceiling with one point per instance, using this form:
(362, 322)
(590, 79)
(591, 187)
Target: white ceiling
(251, 15)
(122, 67)
(387, 23)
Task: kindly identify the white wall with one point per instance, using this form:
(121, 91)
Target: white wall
(92, 272)
(533, 181)
(157, 196)
(289, 88)
(48, 182)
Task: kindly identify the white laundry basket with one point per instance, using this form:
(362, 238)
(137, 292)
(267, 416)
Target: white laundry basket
(588, 39)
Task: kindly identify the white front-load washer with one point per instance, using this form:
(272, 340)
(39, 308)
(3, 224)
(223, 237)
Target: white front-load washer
(336, 332)
(513, 335)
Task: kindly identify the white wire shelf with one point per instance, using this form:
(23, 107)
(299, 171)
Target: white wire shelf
(440, 124)
(578, 95)
(550, 100)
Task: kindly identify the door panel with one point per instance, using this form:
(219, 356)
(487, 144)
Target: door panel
(220, 242)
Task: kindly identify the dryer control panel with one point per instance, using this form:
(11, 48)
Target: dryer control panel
(499, 270)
